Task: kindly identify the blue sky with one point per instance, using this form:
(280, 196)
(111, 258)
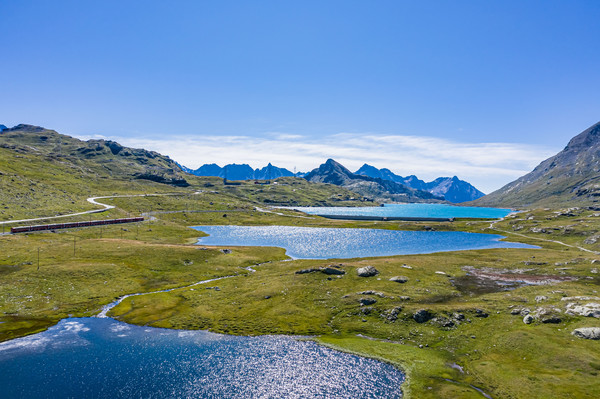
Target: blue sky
(479, 89)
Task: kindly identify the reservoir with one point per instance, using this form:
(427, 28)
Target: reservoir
(104, 358)
(329, 243)
(410, 211)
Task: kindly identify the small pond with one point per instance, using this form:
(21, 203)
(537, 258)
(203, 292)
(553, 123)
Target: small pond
(329, 243)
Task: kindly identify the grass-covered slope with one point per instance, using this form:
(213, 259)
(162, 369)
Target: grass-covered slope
(44, 173)
(570, 178)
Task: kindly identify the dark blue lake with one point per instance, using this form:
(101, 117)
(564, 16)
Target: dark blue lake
(104, 358)
(328, 243)
(411, 210)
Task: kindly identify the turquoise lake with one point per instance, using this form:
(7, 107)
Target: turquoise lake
(104, 358)
(329, 243)
(411, 210)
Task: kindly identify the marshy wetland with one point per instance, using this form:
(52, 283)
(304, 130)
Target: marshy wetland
(446, 338)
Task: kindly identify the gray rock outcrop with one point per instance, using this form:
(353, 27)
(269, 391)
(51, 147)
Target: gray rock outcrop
(399, 279)
(422, 315)
(366, 301)
(587, 332)
(367, 271)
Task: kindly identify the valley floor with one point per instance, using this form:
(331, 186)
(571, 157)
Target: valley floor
(455, 325)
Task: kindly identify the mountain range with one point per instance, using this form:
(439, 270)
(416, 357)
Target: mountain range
(240, 171)
(451, 189)
(376, 188)
(570, 177)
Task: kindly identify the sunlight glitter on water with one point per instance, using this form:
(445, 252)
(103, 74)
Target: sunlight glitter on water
(109, 359)
(328, 243)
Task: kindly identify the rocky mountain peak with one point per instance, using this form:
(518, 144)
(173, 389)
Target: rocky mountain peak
(588, 138)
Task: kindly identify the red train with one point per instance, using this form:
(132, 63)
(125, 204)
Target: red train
(71, 225)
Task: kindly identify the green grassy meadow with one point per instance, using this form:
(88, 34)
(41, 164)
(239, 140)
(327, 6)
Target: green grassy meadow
(82, 270)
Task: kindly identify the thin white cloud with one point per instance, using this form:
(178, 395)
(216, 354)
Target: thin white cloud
(488, 166)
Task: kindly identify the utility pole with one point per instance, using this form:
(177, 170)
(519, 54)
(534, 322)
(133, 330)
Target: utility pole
(38, 258)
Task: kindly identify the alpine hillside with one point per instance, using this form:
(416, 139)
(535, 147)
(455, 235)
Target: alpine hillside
(571, 177)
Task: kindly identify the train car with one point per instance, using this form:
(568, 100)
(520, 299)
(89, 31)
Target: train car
(71, 225)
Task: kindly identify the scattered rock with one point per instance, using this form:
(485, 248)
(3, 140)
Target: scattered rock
(532, 263)
(594, 270)
(406, 266)
(480, 313)
(325, 270)
(458, 316)
(376, 293)
(305, 271)
(528, 319)
(422, 315)
(588, 310)
(551, 320)
(399, 279)
(332, 271)
(404, 298)
(587, 332)
(226, 251)
(267, 296)
(367, 271)
(580, 298)
(392, 314)
(366, 301)
(442, 273)
(443, 322)
(515, 312)
(541, 298)
(366, 310)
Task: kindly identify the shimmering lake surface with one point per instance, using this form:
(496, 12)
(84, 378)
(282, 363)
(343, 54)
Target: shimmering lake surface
(328, 243)
(104, 358)
(411, 210)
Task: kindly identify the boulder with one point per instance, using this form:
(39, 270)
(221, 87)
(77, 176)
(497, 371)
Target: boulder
(551, 320)
(304, 271)
(325, 270)
(370, 292)
(332, 271)
(528, 319)
(366, 301)
(422, 315)
(399, 279)
(591, 309)
(367, 271)
(541, 298)
(587, 332)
